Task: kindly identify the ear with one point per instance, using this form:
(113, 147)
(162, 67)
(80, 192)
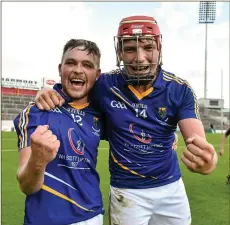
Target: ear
(59, 69)
(98, 73)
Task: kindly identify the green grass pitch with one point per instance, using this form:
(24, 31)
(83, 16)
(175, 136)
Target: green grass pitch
(208, 195)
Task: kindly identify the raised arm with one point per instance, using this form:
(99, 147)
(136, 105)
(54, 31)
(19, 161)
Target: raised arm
(37, 146)
(199, 155)
(34, 159)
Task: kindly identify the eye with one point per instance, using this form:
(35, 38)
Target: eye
(130, 49)
(89, 65)
(150, 48)
(69, 63)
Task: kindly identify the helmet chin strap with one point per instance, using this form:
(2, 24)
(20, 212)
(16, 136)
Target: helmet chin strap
(138, 81)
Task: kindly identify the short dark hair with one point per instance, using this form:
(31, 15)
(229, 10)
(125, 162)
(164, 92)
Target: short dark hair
(89, 46)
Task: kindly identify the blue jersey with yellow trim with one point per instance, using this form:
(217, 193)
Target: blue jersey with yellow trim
(70, 192)
(140, 127)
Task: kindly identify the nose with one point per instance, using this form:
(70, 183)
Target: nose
(140, 58)
(78, 69)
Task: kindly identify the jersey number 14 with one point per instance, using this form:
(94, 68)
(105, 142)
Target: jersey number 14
(141, 113)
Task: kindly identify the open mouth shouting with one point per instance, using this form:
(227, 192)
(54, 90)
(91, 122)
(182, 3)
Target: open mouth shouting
(77, 82)
(140, 69)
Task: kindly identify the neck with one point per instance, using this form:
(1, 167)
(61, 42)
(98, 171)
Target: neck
(142, 88)
(81, 101)
(77, 102)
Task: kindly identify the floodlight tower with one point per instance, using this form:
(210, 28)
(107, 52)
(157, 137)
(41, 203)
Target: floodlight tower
(207, 14)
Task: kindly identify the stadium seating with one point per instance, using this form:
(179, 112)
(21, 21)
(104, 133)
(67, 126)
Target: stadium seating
(210, 116)
(13, 104)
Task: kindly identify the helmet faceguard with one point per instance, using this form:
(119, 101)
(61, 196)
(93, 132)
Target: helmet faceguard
(138, 28)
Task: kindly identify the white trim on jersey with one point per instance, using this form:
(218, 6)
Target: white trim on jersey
(58, 179)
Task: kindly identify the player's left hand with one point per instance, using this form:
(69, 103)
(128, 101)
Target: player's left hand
(199, 156)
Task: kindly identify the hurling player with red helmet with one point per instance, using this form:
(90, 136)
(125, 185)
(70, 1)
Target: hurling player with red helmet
(142, 106)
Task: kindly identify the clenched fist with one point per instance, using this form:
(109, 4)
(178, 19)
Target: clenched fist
(44, 145)
(199, 156)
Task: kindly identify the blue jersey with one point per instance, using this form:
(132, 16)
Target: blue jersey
(140, 127)
(70, 192)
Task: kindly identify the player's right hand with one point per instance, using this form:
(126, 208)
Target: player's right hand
(47, 98)
(44, 145)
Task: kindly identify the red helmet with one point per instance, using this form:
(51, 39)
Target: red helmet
(137, 27)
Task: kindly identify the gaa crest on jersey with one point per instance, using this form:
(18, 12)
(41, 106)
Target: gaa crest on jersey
(162, 112)
(95, 123)
(78, 146)
(96, 126)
